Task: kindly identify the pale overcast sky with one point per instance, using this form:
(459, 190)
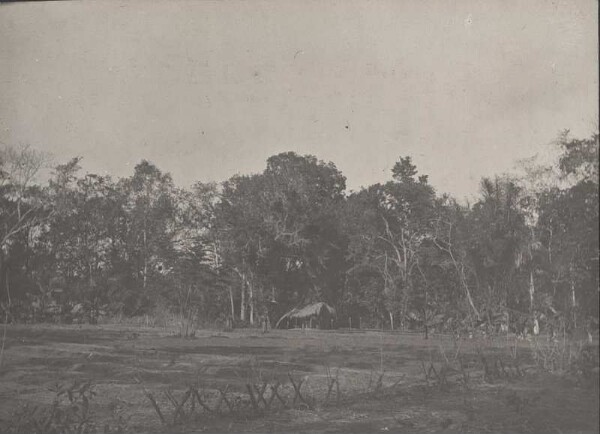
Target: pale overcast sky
(207, 89)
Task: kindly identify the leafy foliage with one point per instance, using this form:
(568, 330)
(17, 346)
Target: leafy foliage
(394, 254)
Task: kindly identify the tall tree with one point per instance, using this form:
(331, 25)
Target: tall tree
(150, 219)
(279, 231)
(568, 224)
(393, 235)
(22, 210)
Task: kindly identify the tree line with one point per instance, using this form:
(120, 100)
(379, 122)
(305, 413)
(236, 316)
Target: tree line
(393, 255)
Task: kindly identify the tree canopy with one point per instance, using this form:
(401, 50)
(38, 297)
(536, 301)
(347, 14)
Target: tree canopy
(394, 254)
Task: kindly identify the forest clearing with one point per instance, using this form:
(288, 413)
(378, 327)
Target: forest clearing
(282, 216)
(380, 376)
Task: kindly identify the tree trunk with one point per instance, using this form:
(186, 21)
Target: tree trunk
(1, 266)
(470, 300)
(531, 291)
(9, 301)
(573, 299)
(425, 316)
(391, 320)
(536, 328)
(251, 302)
(216, 257)
(403, 313)
(145, 257)
(232, 304)
(243, 301)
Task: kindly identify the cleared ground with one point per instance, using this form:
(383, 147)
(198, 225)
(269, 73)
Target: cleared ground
(123, 362)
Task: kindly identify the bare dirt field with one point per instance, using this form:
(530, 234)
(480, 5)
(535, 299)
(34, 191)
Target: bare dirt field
(380, 377)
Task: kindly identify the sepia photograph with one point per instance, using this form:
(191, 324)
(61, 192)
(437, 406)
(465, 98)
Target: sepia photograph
(286, 216)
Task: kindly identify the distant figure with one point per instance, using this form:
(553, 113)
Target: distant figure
(229, 323)
(266, 324)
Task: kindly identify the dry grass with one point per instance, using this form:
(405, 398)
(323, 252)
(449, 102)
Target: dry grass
(379, 376)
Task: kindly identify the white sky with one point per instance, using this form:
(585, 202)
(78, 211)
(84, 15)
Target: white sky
(206, 89)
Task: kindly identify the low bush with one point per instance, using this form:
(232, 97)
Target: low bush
(70, 412)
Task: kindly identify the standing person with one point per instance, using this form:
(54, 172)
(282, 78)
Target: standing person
(264, 317)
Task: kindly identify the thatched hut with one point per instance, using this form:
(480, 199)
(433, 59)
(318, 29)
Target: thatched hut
(318, 315)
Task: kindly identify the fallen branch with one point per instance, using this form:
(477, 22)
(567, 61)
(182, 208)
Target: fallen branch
(155, 405)
(260, 392)
(275, 391)
(201, 402)
(225, 400)
(298, 395)
(252, 399)
(177, 405)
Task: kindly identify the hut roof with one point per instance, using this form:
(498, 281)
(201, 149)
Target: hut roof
(314, 309)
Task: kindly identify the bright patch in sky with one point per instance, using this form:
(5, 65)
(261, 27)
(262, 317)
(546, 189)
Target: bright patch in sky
(208, 89)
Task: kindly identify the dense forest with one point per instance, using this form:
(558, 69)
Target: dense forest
(395, 255)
